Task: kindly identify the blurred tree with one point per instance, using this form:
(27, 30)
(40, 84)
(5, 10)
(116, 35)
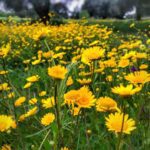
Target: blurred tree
(93, 7)
(105, 9)
(108, 8)
(124, 6)
(60, 9)
(42, 8)
(17, 5)
(140, 4)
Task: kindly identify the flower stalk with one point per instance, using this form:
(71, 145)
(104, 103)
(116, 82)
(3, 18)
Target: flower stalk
(57, 113)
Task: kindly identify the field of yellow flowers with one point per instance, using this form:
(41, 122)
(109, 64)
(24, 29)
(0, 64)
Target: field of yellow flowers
(74, 87)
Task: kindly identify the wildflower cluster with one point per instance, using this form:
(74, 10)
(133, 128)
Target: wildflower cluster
(73, 86)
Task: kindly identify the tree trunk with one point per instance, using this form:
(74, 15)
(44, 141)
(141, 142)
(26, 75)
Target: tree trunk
(42, 9)
(138, 10)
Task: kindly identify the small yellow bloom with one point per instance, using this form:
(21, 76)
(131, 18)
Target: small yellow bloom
(36, 62)
(42, 93)
(26, 61)
(6, 122)
(27, 85)
(75, 111)
(85, 98)
(71, 97)
(114, 122)
(4, 87)
(19, 101)
(31, 112)
(143, 66)
(88, 132)
(123, 63)
(4, 50)
(47, 119)
(138, 77)
(126, 91)
(33, 101)
(132, 25)
(109, 78)
(91, 54)
(48, 54)
(11, 95)
(33, 78)
(57, 72)
(22, 117)
(104, 104)
(64, 148)
(84, 81)
(69, 81)
(48, 103)
(6, 147)
(3, 72)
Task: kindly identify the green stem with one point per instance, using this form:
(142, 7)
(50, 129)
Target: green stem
(57, 112)
(121, 132)
(40, 148)
(85, 124)
(48, 48)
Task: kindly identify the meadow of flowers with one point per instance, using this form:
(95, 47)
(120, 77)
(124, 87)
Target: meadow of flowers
(73, 87)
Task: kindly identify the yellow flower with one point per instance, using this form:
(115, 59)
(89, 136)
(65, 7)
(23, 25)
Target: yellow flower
(6, 147)
(31, 112)
(88, 131)
(132, 25)
(123, 63)
(19, 101)
(91, 54)
(27, 85)
(33, 101)
(42, 93)
(47, 119)
(70, 97)
(26, 61)
(22, 117)
(148, 42)
(40, 34)
(104, 104)
(138, 77)
(33, 78)
(126, 91)
(48, 54)
(57, 72)
(69, 81)
(4, 87)
(85, 98)
(141, 55)
(6, 122)
(36, 62)
(64, 148)
(2, 72)
(84, 81)
(59, 55)
(48, 103)
(75, 111)
(4, 50)
(109, 78)
(11, 95)
(94, 43)
(143, 66)
(114, 122)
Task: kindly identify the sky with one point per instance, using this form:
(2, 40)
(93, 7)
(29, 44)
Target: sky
(71, 5)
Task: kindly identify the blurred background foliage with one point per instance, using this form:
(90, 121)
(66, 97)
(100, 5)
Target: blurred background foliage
(119, 9)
